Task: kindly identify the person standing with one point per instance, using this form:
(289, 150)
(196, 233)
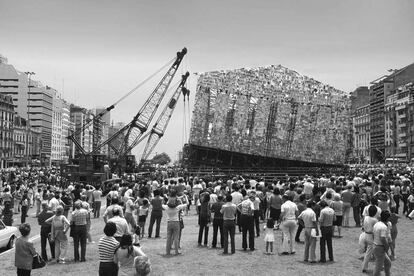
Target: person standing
(120, 222)
(24, 207)
(356, 206)
(310, 223)
(301, 207)
(368, 226)
(229, 210)
(205, 218)
(289, 212)
(381, 245)
(106, 247)
(347, 196)
(275, 205)
(173, 223)
(256, 213)
(24, 253)
(79, 220)
(326, 219)
(217, 221)
(246, 209)
(337, 206)
(97, 202)
(60, 225)
(156, 214)
(237, 199)
(45, 231)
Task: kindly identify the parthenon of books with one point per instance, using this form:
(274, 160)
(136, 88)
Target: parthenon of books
(271, 111)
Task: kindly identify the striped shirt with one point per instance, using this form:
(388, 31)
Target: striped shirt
(106, 248)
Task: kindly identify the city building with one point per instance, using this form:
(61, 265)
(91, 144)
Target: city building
(32, 101)
(114, 128)
(361, 134)
(383, 125)
(57, 129)
(83, 129)
(27, 143)
(66, 126)
(6, 130)
(359, 130)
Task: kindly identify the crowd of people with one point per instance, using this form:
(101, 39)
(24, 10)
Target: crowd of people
(319, 206)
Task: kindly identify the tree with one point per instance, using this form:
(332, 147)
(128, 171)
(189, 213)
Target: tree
(161, 159)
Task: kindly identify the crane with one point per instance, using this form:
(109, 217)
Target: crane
(131, 132)
(161, 124)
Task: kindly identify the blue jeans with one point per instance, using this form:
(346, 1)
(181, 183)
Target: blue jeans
(310, 246)
(326, 238)
(173, 231)
(79, 238)
(229, 228)
(381, 258)
(156, 217)
(247, 224)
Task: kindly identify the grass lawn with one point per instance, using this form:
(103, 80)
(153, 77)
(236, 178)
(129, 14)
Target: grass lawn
(196, 260)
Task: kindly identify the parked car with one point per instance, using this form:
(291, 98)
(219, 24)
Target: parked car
(8, 235)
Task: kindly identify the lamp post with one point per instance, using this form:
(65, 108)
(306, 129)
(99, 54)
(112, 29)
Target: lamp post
(29, 75)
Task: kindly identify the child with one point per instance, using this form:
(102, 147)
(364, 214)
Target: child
(142, 215)
(269, 236)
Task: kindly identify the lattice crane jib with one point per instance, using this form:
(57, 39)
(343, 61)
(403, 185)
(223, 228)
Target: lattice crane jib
(142, 119)
(161, 124)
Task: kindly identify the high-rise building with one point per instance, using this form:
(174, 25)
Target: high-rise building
(84, 135)
(32, 101)
(105, 118)
(66, 126)
(57, 129)
(117, 142)
(383, 123)
(6, 130)
(359, 130)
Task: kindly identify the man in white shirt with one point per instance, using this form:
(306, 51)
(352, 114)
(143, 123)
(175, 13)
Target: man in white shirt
(53, 203)
(289, 212)
(237, 199)
(308, 188)
(381, 245)
(369, 222)
(309, 220)
(121, 224)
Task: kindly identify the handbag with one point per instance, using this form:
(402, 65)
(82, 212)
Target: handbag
(38, 262)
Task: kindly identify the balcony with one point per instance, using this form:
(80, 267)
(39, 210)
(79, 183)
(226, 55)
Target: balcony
(400, 106)
(402, 134)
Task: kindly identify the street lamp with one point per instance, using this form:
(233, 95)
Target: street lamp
(29, 75)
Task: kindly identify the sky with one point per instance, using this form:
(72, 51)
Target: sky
(95, 51)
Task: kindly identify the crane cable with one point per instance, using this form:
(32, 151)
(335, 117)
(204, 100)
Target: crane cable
(144, 81)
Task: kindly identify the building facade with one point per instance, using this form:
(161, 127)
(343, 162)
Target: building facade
(27, 143)
(84, 134)
(6, 130)
(361, 133)
(57, 129)
(390, 115)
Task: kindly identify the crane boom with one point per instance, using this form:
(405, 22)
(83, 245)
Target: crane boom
(142, 119)
(161, 124)
(130, 134)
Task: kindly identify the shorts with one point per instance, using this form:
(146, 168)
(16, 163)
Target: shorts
(338, 221)
(142, 218)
